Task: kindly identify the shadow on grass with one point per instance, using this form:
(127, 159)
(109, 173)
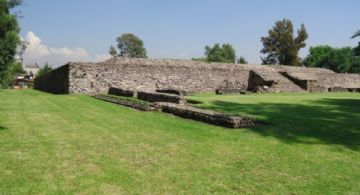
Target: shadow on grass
(329, 121)
(2, 128)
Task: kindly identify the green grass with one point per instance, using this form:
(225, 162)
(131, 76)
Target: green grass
(65, 144)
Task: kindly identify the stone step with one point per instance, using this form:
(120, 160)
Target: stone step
(207, 116)
(274, 82)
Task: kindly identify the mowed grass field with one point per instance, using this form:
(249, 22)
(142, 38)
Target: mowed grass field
(68, 144)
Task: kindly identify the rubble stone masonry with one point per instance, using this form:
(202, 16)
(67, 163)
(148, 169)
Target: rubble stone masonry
(188, 76)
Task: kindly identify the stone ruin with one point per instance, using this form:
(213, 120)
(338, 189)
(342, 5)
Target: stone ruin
(173, 102)
(188, 77)
(161, 84)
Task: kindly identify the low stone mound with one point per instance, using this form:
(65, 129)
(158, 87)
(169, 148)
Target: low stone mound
(160, 97)
(207, 116)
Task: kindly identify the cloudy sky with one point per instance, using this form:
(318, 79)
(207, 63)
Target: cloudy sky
(82, 30)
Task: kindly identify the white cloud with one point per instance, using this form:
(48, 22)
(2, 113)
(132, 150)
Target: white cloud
(38, 52)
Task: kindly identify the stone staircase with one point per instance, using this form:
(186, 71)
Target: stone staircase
(269, 80)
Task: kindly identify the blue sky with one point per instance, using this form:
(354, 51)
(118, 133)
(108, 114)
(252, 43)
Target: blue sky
(177, 29)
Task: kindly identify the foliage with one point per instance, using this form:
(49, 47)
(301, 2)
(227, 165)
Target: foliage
(356, 34)
(9, 35)
(217, 53)
(112, 51)
(75, 144)
(201, 59)
(281, 46)
(17, 68)
(337, 59)
(14, 3)
(130, 46)
(44, 70)
(242, 60)
(357, 50)
(13, 70)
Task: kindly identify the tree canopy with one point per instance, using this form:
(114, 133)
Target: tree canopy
(13, 70)
(242, 60)
(224, 53)
(281, 47)
(9, 35)
(129, 46)
(337, 59)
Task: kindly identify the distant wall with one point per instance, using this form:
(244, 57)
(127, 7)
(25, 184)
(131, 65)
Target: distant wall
(341, 80)
(188, 76)
(57, 81)
(93, 78)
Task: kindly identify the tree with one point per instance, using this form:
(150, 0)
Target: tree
(356, 34)
(112, 51)
(131, 46)
(217, 53)
(9, 35)
(44, 70)
(355, 66)
(13, 70)
(317, 55)
(281, 46)
(357, 49)
(242, 60)
(337, 59)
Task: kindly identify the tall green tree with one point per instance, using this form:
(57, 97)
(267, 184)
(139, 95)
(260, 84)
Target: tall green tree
(224, 53)
(131, 46)
(281, 47)
(9, 35)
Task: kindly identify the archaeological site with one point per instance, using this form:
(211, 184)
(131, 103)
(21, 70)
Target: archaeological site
(191, 76)
(160, 85)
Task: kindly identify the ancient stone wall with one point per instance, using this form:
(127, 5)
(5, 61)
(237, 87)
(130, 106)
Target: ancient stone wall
(342, 80)
(322, 81)
(57, 81)
(149, 75)
(189, 76)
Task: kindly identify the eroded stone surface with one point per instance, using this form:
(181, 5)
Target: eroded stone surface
(160, 97)
(189, 76)
(207, 116)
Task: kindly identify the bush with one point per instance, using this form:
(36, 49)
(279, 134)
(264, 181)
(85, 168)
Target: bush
(340, 60)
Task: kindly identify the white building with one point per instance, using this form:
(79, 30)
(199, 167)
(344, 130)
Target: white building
(32, 69)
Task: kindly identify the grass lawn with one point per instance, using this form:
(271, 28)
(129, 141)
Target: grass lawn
(306, 144)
